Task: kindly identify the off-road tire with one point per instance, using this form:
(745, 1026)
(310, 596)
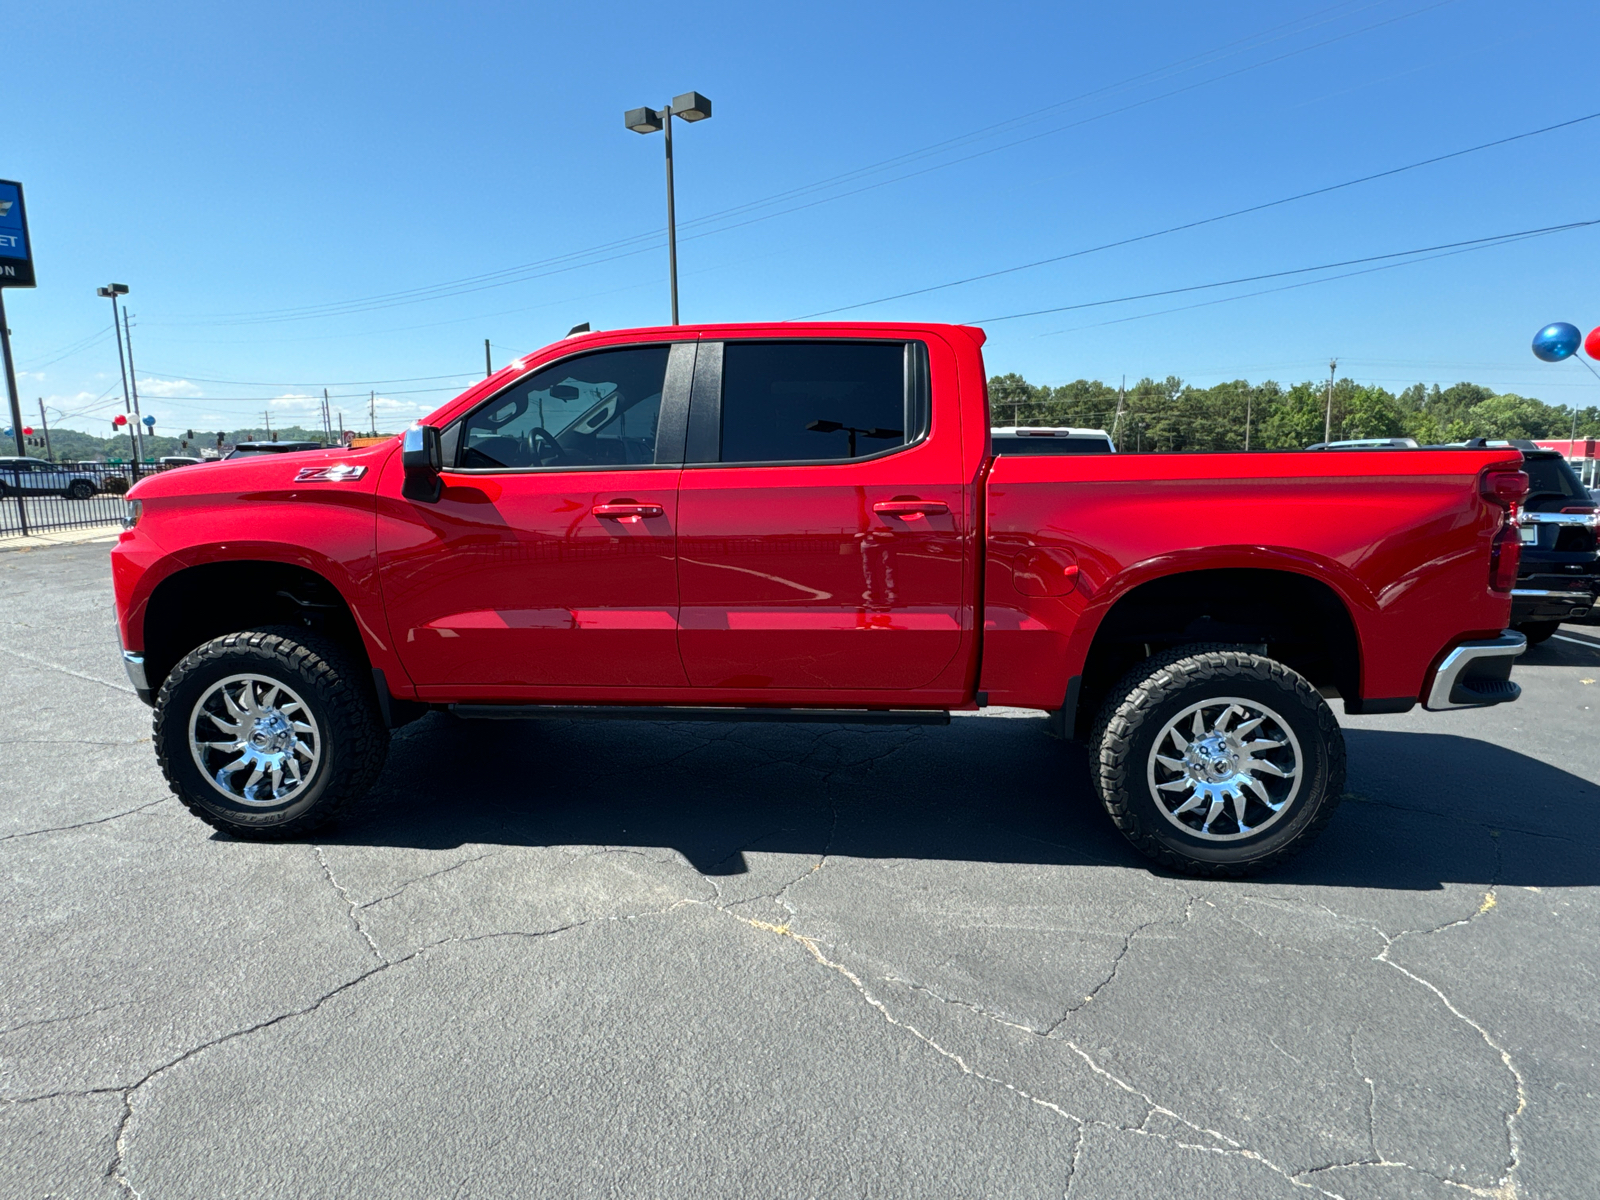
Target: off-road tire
(1537, 631)
(354, 738)
(1166, 684)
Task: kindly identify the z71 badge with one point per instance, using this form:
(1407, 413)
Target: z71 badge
(338, 473)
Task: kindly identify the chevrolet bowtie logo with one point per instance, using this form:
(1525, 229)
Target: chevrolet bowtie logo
(5, 206)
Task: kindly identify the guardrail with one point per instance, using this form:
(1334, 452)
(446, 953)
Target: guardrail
(39, 496)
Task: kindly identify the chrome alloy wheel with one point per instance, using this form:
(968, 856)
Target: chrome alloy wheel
(269, 747)
(1225, 768)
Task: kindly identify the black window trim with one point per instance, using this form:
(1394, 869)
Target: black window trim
(705, 405)
(670, 424)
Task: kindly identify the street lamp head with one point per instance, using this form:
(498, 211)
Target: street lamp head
(642, 120)
(691, 106)
(116, 289)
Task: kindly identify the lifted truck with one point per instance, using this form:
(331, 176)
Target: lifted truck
(806, 522)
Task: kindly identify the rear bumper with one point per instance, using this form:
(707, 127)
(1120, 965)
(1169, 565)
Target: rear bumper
(1477, 674)
(1549, 603)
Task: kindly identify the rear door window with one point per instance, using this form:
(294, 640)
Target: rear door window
(799, 402)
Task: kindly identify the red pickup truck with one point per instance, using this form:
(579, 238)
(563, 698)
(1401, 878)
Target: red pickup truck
(805, 522)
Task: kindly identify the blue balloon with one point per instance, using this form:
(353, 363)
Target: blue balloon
(151, 420)
(1556, 342)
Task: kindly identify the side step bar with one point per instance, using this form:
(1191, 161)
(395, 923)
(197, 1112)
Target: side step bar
(629, 712)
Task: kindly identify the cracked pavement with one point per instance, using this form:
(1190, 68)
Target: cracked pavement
(646, 959)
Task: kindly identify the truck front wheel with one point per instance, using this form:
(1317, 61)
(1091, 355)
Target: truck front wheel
(269, 733)
(1215, 761)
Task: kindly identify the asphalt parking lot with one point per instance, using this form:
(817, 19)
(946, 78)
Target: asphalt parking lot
(768, 961)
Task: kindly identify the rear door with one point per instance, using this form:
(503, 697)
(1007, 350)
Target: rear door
(821, 529)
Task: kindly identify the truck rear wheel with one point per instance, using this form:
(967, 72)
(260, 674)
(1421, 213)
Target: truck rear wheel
(268, 733)
(1215, 761)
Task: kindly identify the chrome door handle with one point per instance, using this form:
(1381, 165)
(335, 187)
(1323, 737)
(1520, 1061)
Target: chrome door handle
(911, 510)
(626, 510)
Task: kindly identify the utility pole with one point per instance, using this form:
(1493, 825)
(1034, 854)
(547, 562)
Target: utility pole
(266, 419)
(372, 412)
(488, 365)
(113, 291)
(327, 427)
(1248, 397)
(11, 384)
(133, 379)
(49, 454)
(1116, 423)
(1327, 419)
(341, 428)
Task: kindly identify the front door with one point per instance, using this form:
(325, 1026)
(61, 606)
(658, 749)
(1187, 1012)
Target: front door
(547, 566)
(820, 532)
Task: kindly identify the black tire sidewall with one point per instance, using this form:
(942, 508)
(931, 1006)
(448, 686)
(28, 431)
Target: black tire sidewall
(189, 683)
(1250, 678)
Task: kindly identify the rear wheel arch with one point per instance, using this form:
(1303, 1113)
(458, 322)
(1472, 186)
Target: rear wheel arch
(1303, 621)
(195, 604)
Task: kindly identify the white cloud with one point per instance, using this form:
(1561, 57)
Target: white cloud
(168, 387)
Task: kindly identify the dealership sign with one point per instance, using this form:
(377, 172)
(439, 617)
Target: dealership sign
(16, 255)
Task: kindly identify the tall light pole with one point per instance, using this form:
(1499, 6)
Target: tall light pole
(691, 106)
(111, 291)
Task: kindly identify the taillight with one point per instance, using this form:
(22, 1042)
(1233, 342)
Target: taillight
(1505, 488)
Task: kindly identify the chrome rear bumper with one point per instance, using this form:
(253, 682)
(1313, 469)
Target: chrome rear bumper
(1477, 674)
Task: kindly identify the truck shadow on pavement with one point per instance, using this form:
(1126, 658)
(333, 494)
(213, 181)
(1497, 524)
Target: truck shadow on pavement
(1422, 809)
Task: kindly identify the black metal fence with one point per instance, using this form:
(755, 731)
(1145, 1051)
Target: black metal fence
(38, 496)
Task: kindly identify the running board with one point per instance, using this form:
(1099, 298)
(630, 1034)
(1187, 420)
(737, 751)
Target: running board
(628, 712)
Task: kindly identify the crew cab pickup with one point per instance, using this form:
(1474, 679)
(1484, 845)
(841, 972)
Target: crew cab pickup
(805, 522)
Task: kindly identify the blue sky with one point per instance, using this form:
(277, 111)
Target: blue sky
(288, 188)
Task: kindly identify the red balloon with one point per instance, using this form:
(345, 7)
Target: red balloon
(119, 419)
(1591, 344)
(27, 431)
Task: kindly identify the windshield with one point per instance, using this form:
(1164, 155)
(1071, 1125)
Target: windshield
(1026, 444)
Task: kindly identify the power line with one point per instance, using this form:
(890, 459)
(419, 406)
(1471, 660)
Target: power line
(1483, 241)
(568, 262)
(366, 383)
(1238, 212)
(1487, 244)
(77, 347)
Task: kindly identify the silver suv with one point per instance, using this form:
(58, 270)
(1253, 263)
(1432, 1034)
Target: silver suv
(35, 477)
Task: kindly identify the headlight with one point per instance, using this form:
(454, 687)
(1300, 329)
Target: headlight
(135, 507)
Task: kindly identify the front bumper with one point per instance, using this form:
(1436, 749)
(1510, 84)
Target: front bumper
(1477, 674)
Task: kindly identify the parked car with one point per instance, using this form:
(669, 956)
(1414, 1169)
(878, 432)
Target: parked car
(1368, 444)
(179, 460)
(36, 477)
(790, 522)
(1559, 578)
(1050, 439)
(247, 449)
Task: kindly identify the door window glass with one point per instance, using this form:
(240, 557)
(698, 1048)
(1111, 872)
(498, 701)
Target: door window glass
(597, 410)
(813, 401)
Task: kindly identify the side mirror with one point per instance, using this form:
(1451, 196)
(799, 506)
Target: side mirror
(422, 459)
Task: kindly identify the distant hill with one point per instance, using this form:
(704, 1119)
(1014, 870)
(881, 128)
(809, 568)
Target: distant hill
(69, 445)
